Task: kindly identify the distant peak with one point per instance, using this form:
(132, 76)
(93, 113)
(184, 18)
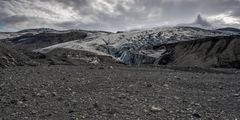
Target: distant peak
(40, 30)
(201, 21)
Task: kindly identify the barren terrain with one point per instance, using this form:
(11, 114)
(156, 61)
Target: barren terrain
(118, 92)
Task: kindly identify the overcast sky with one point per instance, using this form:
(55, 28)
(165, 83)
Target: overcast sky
(113, 15)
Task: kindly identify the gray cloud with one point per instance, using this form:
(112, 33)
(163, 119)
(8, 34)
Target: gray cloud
(15, 19)
(236, 12)
(112, 15)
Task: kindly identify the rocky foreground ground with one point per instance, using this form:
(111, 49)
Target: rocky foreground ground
(118, 92)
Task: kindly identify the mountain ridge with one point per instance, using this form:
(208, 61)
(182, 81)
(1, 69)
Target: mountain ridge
(131, 48)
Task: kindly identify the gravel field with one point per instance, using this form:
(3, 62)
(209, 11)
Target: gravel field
(118, 92)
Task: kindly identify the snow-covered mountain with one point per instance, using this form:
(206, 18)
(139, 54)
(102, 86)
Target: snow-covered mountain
(137, 47)
(6, 35)
(9, 35)
(230, 30)
(148, 46)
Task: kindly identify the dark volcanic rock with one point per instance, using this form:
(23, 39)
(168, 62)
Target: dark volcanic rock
(10, 57)
(65, 92)
(209, 52)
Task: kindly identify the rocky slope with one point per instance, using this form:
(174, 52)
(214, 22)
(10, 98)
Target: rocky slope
(10, 57)
(208, 52)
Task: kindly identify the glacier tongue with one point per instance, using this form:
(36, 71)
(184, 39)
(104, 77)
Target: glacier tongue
(129, 57)
(142, 47)
(138, 47)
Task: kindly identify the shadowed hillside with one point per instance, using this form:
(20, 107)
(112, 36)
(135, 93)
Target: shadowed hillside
(10, 57)
(209, 52)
